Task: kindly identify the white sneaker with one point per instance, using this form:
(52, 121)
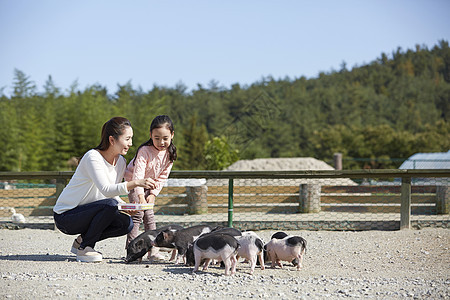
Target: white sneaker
(155, 258)
(154, 255)
(88, 255)
(76, 244)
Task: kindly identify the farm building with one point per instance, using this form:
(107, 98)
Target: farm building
(436, 160)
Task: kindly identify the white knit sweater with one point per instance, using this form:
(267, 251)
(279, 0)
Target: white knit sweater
(94, 179)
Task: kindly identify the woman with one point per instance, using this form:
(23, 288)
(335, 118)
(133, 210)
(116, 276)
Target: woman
(88, 204)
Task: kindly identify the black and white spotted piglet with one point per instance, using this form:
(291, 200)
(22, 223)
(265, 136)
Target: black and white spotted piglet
(217, 246)
(279, 235)
(251, 248)
(286, 249)
(180, 239)
(190, 260)
(142, 244)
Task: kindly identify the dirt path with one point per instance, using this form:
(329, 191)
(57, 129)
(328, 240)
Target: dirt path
(369, 264)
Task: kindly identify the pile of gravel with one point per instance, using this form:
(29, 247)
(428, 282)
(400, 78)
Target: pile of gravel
(370, 264)
(281, 164)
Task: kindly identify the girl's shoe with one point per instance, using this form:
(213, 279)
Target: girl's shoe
(76, 244)
(88, 255)
(154, 255)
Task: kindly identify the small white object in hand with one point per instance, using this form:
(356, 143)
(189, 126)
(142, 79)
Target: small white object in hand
(135, 206)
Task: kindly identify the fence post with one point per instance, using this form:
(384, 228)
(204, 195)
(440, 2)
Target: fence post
(309, 198)
(405, 209)
(442, 200)
(197, 199)
(337, 160)
(230, 202)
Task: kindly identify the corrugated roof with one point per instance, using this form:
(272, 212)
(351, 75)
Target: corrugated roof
(436, 160)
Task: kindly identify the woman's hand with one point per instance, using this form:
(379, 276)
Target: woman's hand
(130, 212)
(146, 183)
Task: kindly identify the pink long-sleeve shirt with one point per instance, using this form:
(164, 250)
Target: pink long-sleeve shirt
(149, 163)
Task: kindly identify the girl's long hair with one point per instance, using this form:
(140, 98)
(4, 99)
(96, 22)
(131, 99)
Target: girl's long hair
(159, 122)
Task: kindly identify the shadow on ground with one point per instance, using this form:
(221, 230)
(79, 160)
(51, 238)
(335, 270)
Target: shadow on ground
(38, 257)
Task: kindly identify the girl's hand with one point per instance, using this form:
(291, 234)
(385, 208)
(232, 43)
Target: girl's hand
(151, 199)
(142, 199)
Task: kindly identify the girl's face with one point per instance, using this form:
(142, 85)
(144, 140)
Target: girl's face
(122, 144)
(162, 137)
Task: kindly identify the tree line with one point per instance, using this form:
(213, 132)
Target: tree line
(390, 108)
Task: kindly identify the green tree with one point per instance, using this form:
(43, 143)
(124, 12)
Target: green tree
(9, 134)
(91, 110)
(392, 107)
(219, 154)
(32, 138)
(22, 85)
(191, 152)
(50, 89)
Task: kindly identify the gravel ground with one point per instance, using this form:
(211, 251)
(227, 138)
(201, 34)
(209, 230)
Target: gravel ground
(371, 264)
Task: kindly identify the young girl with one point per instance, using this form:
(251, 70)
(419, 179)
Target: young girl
(154, 159)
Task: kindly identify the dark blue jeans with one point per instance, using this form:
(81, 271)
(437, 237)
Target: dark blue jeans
(95, 221)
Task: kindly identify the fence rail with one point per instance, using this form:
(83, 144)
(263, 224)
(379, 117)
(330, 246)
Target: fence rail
(282, 196)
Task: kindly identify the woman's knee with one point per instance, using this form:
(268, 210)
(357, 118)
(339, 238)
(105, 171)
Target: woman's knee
(130, 226)
(127, 222)
(125, 219)
(110, 206)
(110, 202)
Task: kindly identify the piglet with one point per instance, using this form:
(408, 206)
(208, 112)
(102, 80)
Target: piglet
(180, 239)
(190, 260)
(276, 235)
(227, 230)
(251, 248)
(286, 249)
(218, 246)
(279, 235)
(142, 244)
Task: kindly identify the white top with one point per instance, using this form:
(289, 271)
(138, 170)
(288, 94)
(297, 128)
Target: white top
(94, 179)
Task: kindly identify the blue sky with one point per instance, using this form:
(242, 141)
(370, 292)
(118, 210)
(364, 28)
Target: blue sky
(110, 42)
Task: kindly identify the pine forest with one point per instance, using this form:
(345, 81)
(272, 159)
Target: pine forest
(385, 110)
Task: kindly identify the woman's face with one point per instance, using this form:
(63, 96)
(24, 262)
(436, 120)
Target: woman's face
(162, 137)
(122, 144)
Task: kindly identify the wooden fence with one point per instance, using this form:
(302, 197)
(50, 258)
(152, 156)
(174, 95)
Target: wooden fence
(291, 199)
(304, 198)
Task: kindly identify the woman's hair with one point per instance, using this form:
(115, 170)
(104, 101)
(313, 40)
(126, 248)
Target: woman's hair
(159, 122)
(114, 128)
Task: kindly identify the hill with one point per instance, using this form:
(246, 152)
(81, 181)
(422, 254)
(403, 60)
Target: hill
(393, 107)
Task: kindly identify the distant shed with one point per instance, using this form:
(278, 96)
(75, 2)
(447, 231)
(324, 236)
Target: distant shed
(436, 160)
